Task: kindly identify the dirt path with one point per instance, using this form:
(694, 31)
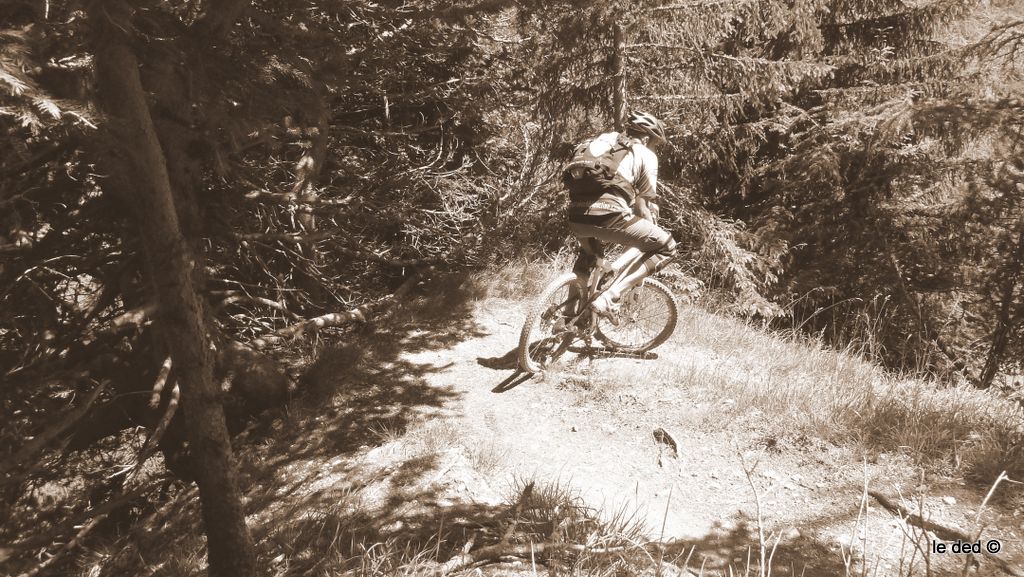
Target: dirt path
(564, 428)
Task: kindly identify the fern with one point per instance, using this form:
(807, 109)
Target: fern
(47, 106)
(15, 85)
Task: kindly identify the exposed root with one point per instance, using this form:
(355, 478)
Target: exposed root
(941, 531)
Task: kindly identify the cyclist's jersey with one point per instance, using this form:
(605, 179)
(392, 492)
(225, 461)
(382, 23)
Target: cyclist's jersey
(639, 168)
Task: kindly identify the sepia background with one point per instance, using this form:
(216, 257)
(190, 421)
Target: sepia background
(263, 266)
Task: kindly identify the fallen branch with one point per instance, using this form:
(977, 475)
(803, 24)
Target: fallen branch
(37, 159)
(14, 248)
(526, 550)
(361, 313)
(517, 512)
(237, 296)
(940, 531)
(42, 440)
(134, 318)
(690, 5)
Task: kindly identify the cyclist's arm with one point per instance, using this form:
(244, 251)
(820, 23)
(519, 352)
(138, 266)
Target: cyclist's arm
(645, 183)
(642, 208)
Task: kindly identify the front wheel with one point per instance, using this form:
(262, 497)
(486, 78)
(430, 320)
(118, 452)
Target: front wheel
(546, 336)
(647, 316)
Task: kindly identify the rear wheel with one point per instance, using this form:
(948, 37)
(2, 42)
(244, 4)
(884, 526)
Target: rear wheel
(647, 317)
(545, 336)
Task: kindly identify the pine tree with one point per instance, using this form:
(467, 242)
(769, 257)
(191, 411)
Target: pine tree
(213, 175)
(815, 124)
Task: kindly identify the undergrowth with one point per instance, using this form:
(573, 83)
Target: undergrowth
(731, 368)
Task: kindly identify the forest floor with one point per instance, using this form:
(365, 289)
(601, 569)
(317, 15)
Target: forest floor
(420, 426)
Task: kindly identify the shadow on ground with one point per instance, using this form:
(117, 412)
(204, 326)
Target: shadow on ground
(317, 497)
(326, 495)
(323, 493)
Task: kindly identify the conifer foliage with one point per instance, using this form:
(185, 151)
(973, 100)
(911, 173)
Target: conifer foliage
(854, 165)
(305, 173)
(861, 144)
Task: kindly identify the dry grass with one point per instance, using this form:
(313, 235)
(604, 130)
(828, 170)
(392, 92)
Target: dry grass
(808, 390)
(437, 436)
(733, 369)
(522, 279)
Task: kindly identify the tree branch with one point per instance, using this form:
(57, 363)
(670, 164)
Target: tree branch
(291, 197)
(238, 296)
(161, 382)
(153, 440)
(323, 235)
(361, 313)
(496, 552)
(14, 248)
(130, 319)
(690, 5)
(40, 157)
(41, 441)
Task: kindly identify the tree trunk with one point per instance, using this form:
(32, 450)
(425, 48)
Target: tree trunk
(619, 79)
(1004, 320)
(313, 125)
(220, 16)
(169, 264)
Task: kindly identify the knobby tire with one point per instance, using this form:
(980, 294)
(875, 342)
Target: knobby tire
(538, 347)
(647, 319)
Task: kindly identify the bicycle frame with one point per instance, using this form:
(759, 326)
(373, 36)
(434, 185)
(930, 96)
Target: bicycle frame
(622, 265)
(559, 320)
(619, 268)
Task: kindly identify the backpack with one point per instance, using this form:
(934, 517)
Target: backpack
(589, 177)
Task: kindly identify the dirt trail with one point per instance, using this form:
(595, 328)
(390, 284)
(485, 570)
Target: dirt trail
(540, 429)
(561, 428)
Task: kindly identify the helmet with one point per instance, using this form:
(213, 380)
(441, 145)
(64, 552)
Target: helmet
(643, 123)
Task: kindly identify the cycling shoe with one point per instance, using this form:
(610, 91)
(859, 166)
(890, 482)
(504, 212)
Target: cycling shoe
(607, 307)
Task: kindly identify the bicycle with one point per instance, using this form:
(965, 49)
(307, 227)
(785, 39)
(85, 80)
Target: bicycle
(646, 318)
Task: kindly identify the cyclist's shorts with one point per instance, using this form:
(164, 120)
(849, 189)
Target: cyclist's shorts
(623, 228)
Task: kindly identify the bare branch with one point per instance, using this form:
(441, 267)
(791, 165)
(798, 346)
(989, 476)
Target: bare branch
(941, 531)
(14, 248)
(153, 440)
(237, 296)
(40, 157)
(291, 197)
(161, 381)
(692, 5)
(361, 314)
(496, 552)
(131, 319)
(41, 441)
(324, 235)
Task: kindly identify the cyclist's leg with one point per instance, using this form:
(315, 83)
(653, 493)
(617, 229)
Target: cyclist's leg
(590, 250)
(629, 230)
(658, 246)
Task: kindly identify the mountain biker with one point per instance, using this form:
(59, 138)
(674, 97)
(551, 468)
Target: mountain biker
(618, 206)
